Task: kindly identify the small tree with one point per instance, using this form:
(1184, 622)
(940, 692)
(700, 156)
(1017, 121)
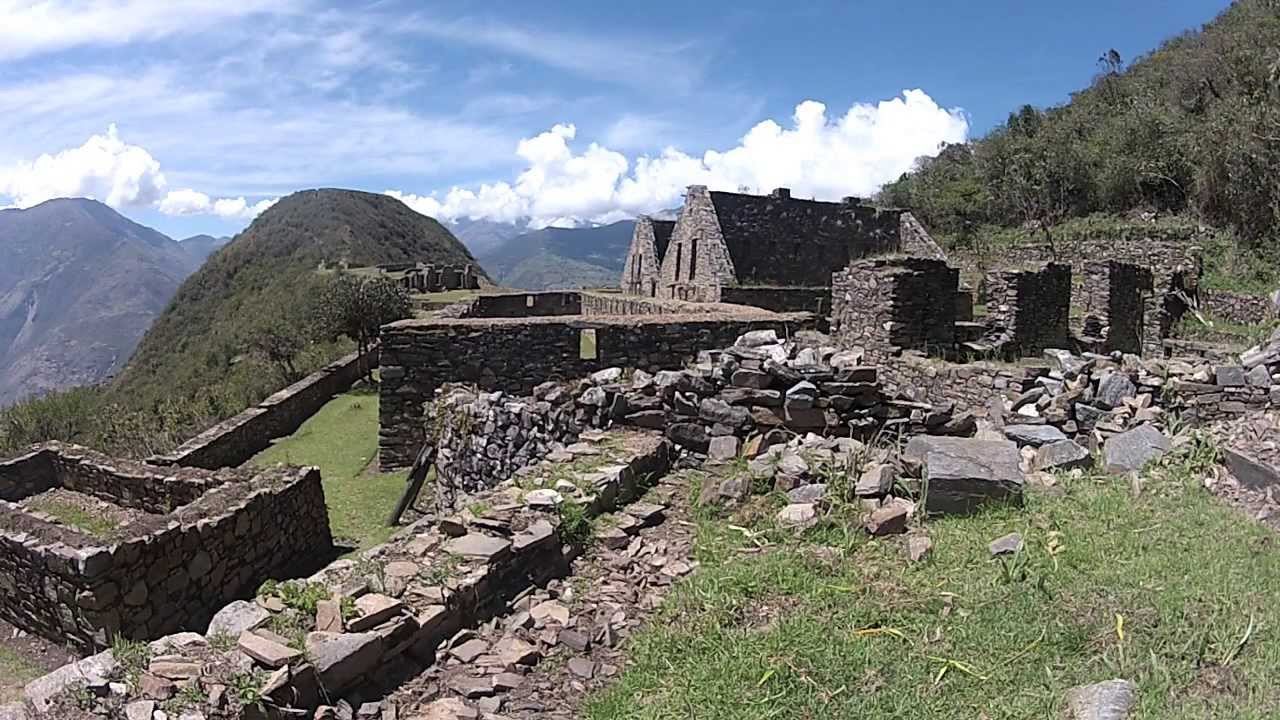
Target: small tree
(358, 307)
(280, 343)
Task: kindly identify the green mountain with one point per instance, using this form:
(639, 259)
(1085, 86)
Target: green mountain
(266, 277)
(1192, 128)
(79, 284)
(561, 258)
(200, 247)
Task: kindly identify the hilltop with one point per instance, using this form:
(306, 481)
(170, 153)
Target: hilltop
(1190, 129)
(266, 278)
(79, 284)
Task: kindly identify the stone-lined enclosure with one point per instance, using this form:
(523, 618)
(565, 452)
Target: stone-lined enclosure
(202, 538)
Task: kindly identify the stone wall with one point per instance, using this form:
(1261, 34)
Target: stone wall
(888, 305)
(1237, 308)
(970, 386)
(515, 305)
(916, 240)
(162, 572)
(515, 355)
(1028, 310)
(780, 299)
(235, 440)
(697, 248)
(1118, 299)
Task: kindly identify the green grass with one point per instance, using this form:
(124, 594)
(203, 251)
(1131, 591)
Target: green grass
(342, 440)
(16, 672)
(74, 516)
(1160, 590)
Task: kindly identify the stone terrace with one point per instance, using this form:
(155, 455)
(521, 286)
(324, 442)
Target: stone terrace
(196, 539)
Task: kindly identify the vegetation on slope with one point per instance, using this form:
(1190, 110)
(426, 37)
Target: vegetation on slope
(1193, 127)
(245, 325)
(1108, 585)
(560, 258)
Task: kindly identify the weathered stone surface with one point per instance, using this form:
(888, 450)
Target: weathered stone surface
(1249, 472)
(876, 480)
(811, 494)
(888, 520)
(1131, 450)
(1230, 376)
(479, 546)
(1063, 455)
(1033, 435)
(236, 618)
(341, 659)
(689, 435)
(1005, 545)
(268, 652)
(138, 710)
(328, 616)
(374, 609)
(1113, 389)
(798, 515)
(723, 449)
(751, 379)
(94, 669)
(962, 474)
(918, 547)
(512, 651)
(470, 650)
(1109, 700)
(550, 611)
(800, 396)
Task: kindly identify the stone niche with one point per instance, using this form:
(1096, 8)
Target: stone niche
(1029, 309)
(93, 547)
(889, 305)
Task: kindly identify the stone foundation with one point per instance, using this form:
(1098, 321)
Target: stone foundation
(206, 538)
(1028, 309)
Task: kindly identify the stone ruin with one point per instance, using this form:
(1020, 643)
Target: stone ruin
(185, 542)
(431, 278)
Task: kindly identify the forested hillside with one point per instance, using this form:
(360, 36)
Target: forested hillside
(1192, 128)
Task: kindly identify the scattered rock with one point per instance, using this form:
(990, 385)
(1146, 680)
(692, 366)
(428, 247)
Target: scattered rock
(1109, 700)
(340, 659)
(963, 474)
(876, 480)
(888, 520)
(1005, 545)
(269, 653)
(809, 494)
(723, 449)
(1130, 451)
(1063, 455)
(236, 618)
(1033, 435)
(1113, 389)
(918, 546)
(798, 515)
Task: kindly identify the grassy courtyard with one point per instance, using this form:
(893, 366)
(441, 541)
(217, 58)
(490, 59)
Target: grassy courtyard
(1170, 589)
(342, 440)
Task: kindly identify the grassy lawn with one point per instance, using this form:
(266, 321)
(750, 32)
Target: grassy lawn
(15, 672)
(1170, 589)
(342, 440)
(74, 516)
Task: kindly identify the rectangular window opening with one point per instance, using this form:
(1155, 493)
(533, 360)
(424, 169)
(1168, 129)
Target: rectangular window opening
(679, 258)
(693, 259)
(587, 345)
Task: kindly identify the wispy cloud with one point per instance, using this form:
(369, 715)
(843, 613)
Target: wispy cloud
(652, 63)
(34, 27)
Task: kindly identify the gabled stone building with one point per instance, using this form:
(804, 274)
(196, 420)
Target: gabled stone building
(724, 239)
(644, 257)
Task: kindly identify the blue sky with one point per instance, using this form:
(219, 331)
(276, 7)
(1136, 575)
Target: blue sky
(191, 115)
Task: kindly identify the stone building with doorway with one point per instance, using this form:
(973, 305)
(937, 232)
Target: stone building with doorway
(733, 240)
(644, 258)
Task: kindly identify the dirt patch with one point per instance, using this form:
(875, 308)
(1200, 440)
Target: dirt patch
(25, 657)
(85, 513)
(1213, 682)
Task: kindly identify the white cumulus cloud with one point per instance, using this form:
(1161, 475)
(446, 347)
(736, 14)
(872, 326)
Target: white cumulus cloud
(193, 202)
(816, 156)
(110, 170)
(103, 168)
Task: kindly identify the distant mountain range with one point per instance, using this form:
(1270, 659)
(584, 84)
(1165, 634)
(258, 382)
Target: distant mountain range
(79, 285)
(550, 258)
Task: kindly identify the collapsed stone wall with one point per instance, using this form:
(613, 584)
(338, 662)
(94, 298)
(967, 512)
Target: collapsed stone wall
(598, 303)
(885, 306)
(1237, 308)
(419, 356)
(235, 440)
(160, 573)
(1118, 299)
(969, 386)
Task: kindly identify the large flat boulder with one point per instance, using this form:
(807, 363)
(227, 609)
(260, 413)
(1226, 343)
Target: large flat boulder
(1130, 450)
(341, 658)
(964, 474)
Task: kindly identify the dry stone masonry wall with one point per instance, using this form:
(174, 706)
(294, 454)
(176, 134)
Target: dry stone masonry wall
(235, 440)
(515, 355)
(1028, 310)
(166, 571)
(885, 306)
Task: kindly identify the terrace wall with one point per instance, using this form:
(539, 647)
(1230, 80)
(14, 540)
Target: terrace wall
(166, 572)
(885, 306)
(235, 440)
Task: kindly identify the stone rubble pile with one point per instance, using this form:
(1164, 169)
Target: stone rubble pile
(331, 646)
